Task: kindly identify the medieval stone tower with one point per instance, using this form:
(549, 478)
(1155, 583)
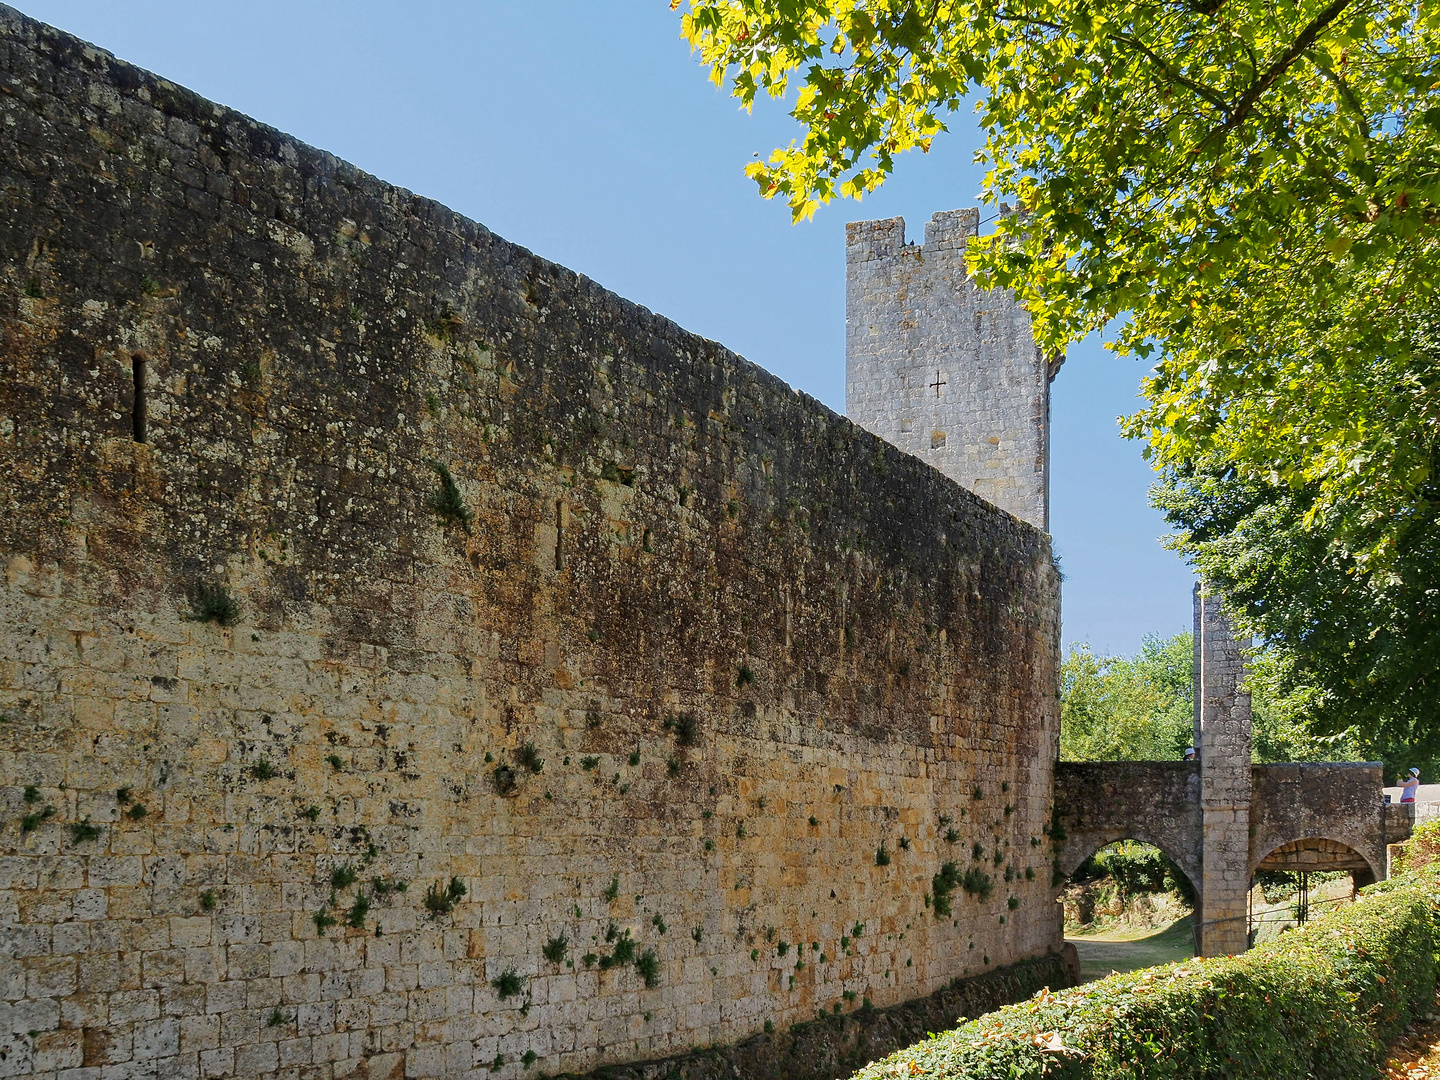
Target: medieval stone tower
(943, 369)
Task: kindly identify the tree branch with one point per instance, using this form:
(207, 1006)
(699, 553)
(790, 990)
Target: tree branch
(1348, 95)
(1169, 72)
(1198, 89)
(1238, 115)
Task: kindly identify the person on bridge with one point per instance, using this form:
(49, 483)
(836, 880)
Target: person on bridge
(1189, 753)
(1408, 788)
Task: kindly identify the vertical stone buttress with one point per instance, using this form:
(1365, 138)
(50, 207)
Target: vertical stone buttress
(943, 369)
(1222, 736)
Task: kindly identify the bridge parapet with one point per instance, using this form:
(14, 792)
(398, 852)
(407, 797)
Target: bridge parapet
(1334, 801)
(1400, 819)
(1099, 802)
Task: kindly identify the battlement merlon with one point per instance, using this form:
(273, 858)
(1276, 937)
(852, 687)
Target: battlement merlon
(952, 229)
(947, 230)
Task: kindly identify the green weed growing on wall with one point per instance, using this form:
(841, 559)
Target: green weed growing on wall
(83, 831)
(941, 886)
(554, 950)
(977, 883)
(441, 899)
(213, 603)
(30, 822)
(358, 912)
(507, 984)
(648, 965)
(685, 728)
(446, 501)
(504, 780)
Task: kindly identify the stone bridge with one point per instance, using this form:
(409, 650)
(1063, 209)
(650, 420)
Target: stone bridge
(1302, 816)
(1222, 818)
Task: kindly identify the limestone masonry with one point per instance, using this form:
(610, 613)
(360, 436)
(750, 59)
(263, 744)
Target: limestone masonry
(944, 369)
(418, 661)
(1222, 734)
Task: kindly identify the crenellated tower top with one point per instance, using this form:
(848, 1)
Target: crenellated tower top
(943, 369)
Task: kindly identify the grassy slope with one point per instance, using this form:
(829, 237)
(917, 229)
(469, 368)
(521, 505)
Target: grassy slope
(1106, 954)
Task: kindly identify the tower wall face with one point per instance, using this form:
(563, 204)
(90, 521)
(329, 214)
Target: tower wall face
(943, 369)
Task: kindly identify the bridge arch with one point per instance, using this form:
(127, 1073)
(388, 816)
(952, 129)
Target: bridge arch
(1155, 802)
(1315, 854)
(1337, 804)
(1078, 849)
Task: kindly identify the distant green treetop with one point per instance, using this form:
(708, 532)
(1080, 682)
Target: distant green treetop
(1142, 707)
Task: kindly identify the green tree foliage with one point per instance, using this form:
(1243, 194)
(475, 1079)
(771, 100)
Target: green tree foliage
(1140, 708)
(1284, 712)
(1136, 868)
(1350, 665)
(1252, 183)
(1164, 151)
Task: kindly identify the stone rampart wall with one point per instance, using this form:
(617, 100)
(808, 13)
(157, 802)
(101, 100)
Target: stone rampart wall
(663, 744)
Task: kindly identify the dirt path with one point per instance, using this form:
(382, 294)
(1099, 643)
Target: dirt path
(1415, 1055)
(1106, 954)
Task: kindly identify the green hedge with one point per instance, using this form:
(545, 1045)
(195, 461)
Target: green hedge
(1322, 1001)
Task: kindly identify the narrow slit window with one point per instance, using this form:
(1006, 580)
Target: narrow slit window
(137, 412)
(559, 536)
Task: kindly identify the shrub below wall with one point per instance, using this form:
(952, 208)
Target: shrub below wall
(1321, 1002)
(836, 1043)
(1422, 850)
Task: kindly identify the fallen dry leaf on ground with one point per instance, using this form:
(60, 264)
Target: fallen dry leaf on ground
(1415, 1055)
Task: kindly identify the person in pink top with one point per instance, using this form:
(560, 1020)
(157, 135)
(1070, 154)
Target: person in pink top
(1407, 789)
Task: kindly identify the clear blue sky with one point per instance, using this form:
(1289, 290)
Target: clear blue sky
(586, 132)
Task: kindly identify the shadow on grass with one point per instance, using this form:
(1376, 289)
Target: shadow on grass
(1106, 954)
